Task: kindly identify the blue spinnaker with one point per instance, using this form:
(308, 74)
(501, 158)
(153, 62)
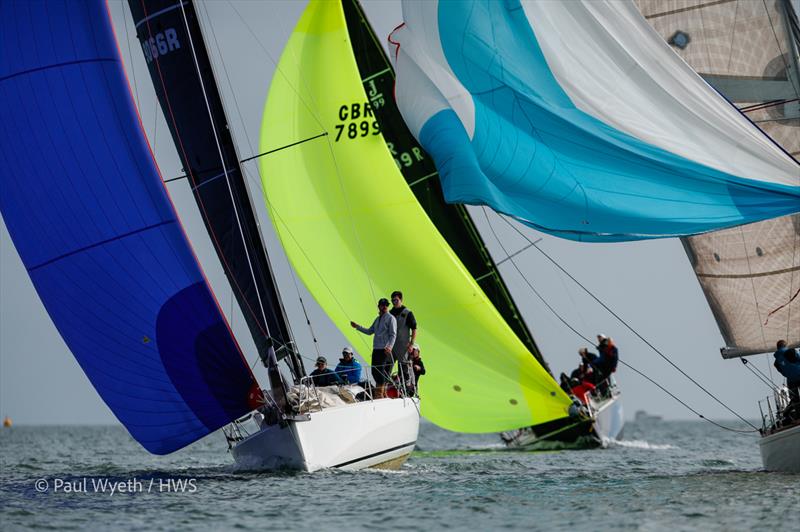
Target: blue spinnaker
(87, 211)
(577, 119)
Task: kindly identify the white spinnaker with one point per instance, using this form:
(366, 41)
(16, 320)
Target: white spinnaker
(616, 68)
(420, 58)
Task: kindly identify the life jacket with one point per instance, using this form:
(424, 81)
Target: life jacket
(610, 356)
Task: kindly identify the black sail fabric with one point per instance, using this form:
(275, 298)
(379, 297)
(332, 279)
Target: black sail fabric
(182, 74)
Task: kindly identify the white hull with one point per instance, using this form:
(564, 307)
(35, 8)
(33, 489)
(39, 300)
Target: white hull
(380, 433)
(609, 419)
(780, 451)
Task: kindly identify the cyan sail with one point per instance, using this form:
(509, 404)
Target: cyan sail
(88, 213)
(577, 119)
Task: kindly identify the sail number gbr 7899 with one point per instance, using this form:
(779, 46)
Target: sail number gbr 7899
(356, 120)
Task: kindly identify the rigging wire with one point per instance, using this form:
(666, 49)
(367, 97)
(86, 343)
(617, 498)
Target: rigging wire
(225, 171)
(625, 324)
(277, 65)
(274, 211)
(312, 108)
(294, 278)
(259, 187)
(759, 374)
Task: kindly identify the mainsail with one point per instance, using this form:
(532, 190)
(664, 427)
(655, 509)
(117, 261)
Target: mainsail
(354, 232)
(183, 77)
(452, 220)
(87, 211)
(749, 52)
(610, 138)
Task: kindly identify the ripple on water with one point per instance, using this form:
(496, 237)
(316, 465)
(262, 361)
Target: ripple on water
(669, 475)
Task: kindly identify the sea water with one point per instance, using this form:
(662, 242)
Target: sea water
(663, 476)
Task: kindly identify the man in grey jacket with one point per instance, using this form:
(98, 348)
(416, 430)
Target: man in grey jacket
(385, 330)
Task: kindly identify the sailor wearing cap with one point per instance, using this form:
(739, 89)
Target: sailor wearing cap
(323, 376)
(348, 368)
(384, 327)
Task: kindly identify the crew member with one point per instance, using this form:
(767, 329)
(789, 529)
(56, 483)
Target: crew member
(384, 327)
(406, 336)
(349, 368)
(323, 376)
(787, 362)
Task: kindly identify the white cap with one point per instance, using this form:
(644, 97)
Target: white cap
(347, 349)
(602, 336)
(415, 346)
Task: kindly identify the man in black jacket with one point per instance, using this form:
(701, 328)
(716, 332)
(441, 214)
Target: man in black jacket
(323, 376)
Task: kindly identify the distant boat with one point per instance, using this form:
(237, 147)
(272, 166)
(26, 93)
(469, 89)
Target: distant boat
(643, 417)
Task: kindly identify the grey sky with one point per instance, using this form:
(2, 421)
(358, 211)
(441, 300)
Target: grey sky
(649, 283)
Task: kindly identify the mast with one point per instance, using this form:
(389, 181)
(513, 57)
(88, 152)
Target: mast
(182, 74)
(452, 220)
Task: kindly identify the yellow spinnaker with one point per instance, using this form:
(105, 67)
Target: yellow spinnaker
(354, 232)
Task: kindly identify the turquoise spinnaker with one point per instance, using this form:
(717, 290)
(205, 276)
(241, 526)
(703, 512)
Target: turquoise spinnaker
(610, 138)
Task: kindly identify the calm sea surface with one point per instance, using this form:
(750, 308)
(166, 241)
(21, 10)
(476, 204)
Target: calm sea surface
(664, 475)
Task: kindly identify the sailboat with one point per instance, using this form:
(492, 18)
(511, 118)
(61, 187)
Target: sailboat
(750, 274)
(352, 227)
(604, 422)
(614, 138)
(94, 226)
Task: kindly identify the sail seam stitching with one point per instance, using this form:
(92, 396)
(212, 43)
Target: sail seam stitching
(747, 275)
(57, 65)
(96, 244)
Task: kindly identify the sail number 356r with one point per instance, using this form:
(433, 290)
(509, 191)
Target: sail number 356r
(358, 121)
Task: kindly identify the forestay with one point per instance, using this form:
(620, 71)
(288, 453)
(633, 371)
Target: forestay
(749, 52)
(89, 216)
(354, 232)
(611, 137)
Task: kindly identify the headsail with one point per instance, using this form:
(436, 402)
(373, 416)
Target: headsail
(354, 232)
(183, 77)
(749, 52)
(89, 216)
(452, 220)
(610, 138)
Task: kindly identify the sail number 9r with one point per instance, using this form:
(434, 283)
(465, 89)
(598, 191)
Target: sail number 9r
(359, 121)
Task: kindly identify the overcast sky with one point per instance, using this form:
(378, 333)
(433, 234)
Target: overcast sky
(650, 284)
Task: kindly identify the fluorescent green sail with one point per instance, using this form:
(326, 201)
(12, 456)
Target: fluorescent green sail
(354, 232)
